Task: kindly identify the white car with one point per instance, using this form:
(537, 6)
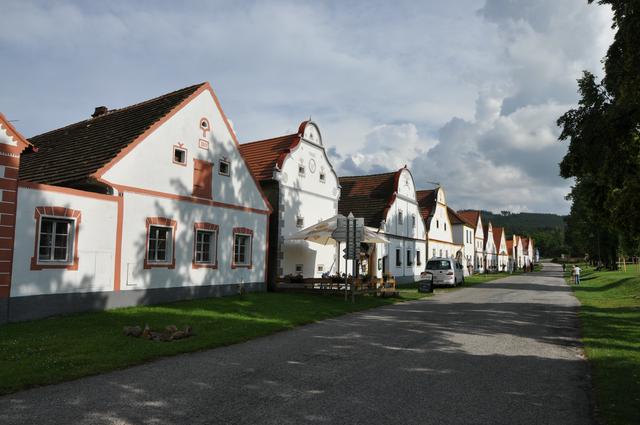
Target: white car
(445, 271)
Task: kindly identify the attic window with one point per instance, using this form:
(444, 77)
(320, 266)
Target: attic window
(323, 177)
(413, 220)
(224, 167)
(179, 155)
(400, 217)
(299, 222)
(301, 170)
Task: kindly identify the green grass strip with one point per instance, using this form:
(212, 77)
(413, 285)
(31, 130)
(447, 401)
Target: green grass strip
(59, 349)
(610, 316)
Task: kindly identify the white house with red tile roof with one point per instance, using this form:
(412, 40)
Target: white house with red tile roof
(527, 251)
(297, 177)
(518, 252)
(463, 235)
(490, 249)
(500, 242)
(475, 217)
(434, 210)
(387, 202)
(143, 204)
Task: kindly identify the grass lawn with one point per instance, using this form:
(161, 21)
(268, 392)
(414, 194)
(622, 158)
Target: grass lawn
(610, 316)
(59, 349)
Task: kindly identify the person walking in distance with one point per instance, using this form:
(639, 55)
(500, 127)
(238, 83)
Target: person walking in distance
(576, 274)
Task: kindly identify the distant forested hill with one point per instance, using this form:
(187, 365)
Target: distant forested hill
(524, 223)
(547, 230)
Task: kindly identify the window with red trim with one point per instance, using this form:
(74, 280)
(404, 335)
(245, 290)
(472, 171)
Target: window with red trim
(56, 244)
(205, 245)
(242, 247)
(202, 178)
(160, 246)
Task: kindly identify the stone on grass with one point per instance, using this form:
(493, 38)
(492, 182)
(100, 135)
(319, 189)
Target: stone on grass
(134, 331)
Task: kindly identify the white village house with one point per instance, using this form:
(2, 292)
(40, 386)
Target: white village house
(387, 202)
(433, 207)
(500, 242)
(463, 235)
(475, 218)
(490, 249)
(144, 204)
(298, 179)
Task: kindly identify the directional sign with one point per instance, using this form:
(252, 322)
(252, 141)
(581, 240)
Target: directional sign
(354, 232)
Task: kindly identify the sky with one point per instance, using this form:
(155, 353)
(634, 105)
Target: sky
(465, 93)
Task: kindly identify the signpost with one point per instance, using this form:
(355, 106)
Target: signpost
(350, 230)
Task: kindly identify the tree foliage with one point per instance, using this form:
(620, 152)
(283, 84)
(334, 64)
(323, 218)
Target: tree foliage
(604, 147)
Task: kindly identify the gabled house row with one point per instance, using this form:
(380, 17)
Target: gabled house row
(158, 201)
(144, 204)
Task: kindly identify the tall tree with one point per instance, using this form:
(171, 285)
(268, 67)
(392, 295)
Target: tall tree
(604, 145)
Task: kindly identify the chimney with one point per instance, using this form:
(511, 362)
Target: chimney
(100, 110)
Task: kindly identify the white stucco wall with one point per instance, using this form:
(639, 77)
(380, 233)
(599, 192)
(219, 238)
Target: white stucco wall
(136, 210)
(96, 246)
(310, 198)
(463, 235)
(405, 236)
(150, 164)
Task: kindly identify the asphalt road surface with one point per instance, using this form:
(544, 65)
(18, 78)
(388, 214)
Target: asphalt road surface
(505, 352)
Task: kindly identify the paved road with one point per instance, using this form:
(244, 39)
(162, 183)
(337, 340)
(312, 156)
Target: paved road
(500, 353)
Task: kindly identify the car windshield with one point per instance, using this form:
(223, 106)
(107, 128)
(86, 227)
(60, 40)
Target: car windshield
(438, 265)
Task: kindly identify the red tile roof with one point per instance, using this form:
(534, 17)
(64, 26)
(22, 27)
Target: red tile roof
(262, 156)
(509, 246)
(265, 156)
(427, 202)
(74, 153)
(455, 218)
(470, 217)
(497, 236)
(368, 196)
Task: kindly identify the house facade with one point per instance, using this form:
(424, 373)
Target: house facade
(490, 249)
(387, 202)
(297, 177)
(518, 252)
(500, 242)
(475, 217)
(434, 211)
(144, 204)
(463, 235)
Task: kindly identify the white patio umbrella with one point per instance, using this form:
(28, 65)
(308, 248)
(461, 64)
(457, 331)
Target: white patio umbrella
(322, 233)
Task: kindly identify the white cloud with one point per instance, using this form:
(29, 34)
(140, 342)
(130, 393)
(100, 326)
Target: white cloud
(466, 91)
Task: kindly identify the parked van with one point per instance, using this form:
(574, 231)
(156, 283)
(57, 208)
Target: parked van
(445, 271)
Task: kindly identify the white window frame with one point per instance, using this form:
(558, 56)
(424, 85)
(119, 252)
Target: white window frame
(71, 223)
(228, 164)
(400, 217)
(299, 268)
(213, 247)
(299, 222)
(168, 245)
(184, 151)
(248, 249)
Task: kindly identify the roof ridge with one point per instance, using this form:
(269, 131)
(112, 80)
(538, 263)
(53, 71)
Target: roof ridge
(112, 111)
(370, 175)
(270, 139)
